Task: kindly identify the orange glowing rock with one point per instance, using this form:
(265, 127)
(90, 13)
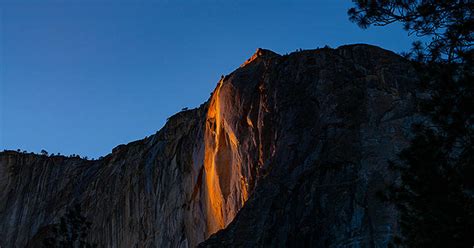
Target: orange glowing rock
(226, 189)
(215, 219)
(257, 54)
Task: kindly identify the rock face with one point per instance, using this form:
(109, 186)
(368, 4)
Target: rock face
(329, 120)
(288, 151)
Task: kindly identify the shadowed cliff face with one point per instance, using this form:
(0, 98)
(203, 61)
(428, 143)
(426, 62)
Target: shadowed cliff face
(300, 141)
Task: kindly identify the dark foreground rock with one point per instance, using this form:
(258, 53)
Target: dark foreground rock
(289, 151)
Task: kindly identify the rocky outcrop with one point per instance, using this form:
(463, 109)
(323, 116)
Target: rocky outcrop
(300, 141)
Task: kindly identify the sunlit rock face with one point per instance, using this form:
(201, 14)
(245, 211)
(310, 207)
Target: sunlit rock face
(234, 144)
(327, 122)
(300, 141)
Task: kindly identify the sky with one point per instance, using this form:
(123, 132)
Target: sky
(81, 77)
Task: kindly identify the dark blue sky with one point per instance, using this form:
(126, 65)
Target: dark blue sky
(84, 76)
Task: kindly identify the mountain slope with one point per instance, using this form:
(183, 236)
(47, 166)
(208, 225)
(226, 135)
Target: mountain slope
(302, 139)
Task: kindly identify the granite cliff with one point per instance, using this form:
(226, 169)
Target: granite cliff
(288, 151)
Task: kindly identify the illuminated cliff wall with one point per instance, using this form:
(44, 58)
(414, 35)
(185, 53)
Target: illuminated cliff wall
(172, 189)
(288, 151)
(233, 152)
(226, 190)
